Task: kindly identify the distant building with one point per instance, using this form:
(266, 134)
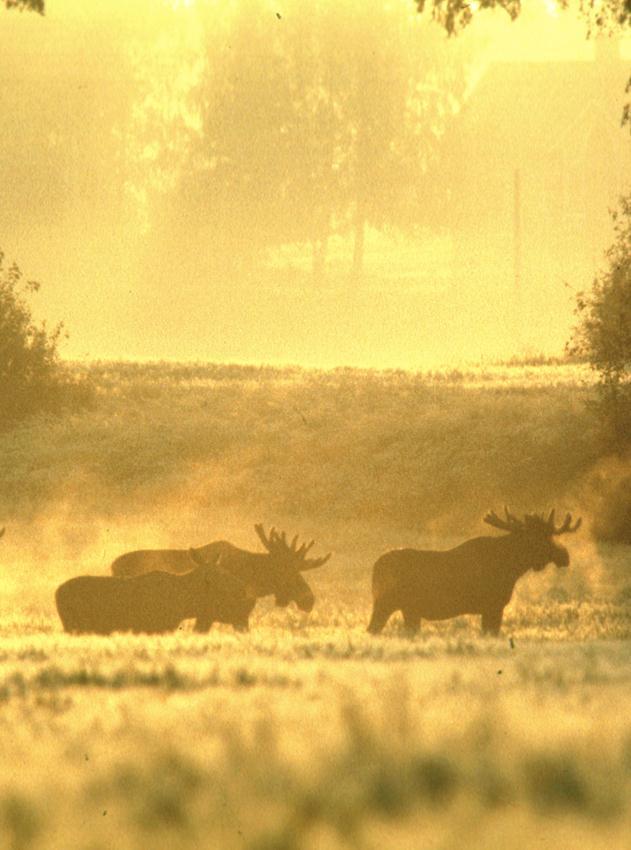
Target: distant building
(529, 170)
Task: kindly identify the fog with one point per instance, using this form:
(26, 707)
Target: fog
(322, 184)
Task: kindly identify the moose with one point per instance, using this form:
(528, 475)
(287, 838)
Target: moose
(476, 577)
(154, 602)
(277, 571)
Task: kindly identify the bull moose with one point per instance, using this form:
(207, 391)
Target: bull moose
(154, 602)
(476, 577)
(277, 571)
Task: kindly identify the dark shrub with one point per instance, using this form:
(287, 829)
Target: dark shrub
(603, 334)
(32, 378)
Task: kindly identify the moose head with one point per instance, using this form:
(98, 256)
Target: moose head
(535, 533)
(287, 561)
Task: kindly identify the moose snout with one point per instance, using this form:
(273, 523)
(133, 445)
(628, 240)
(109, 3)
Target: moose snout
(561, 557)
(303, 598)
(306, 602)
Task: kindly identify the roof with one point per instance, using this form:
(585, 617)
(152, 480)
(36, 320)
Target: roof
(525, 109)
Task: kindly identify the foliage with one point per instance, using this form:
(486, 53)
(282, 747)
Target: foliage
(603, 334)
(612, 511)
(31, 376)
(30, 5)
(607, 15)
(454, 15)
(603, 337)
(296, 127)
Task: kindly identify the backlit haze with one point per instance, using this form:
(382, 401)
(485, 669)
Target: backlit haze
(192, 180)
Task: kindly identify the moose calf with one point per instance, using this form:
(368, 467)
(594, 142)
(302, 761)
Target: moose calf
(477, 577)
(154, 602)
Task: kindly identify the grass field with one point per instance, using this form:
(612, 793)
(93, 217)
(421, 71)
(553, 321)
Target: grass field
(407, 450)
(313, 735)
(307, 733)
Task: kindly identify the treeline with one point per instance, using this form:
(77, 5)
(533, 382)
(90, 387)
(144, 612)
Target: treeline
(225, 130)
(277, 123)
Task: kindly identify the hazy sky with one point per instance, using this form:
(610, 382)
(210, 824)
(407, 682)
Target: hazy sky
(98, 97)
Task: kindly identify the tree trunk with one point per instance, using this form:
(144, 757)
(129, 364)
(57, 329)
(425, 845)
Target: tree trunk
(358, 247)
(319, 248)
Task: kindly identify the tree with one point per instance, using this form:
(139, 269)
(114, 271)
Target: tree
(603, 334)
(32, 379)
(603, 337)
(454, 15)
(269, 131)
(405, 84)
(29, 5)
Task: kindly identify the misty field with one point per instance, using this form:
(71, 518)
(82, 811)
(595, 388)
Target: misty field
(314, 735)
(306, 732)
(198, 447)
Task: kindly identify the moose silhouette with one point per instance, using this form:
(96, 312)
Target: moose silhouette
(278, 571)
(476, 577)
(154, 602)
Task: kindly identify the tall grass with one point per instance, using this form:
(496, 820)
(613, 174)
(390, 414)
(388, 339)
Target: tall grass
(309, 739)
(407, 450)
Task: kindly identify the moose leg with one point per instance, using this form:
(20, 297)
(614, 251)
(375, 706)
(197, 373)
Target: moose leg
(492, 621)
(412, 620)
(203, 624)
(381, 611)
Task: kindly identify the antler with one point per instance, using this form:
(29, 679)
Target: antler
(261, 535)
(276, 544)
(530, 521)
(566, 526)
(511, 523)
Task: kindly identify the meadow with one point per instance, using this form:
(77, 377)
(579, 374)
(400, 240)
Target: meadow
(306, 732)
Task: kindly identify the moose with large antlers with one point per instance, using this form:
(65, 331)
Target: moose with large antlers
(476, 577)
(277, 571)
